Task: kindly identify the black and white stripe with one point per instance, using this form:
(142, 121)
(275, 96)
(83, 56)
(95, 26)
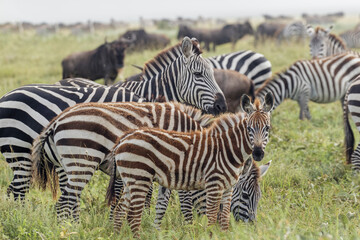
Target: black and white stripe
(254, 65)
(351, 38)
(25, 111)
(322, 80)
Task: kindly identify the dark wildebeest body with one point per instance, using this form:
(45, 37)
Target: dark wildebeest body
(268, 30)
(232, 83)
(228, 33)
(102, 62)
(143, 40)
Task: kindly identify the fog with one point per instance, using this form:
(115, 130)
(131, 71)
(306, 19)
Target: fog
(82, 10)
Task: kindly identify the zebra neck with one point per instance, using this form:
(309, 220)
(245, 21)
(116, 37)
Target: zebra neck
(335, 46)
(154, 89)
(231, 143)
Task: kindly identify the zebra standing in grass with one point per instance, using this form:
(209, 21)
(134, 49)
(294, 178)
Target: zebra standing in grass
(25, 111)
(294, 30)
(79, 138)
(322, 80)
(323, 43)
(352, 106)
(179, 74)
(254, 65)
(211, 159)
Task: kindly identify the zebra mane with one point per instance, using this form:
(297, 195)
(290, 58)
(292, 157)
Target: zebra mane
(165, 57)
(227, 120)
(204, 120)
(332, 37)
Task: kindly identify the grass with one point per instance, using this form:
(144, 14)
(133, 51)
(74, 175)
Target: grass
(308, 193)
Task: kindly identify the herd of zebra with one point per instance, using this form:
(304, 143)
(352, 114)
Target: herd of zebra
(170, 127)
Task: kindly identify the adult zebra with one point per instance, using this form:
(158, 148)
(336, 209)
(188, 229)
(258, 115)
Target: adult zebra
(179, 74)
(352, 106)
(254, 65)
(351, 38)
(322, 80)
(25, 111)
(324, 44)
(211, 159)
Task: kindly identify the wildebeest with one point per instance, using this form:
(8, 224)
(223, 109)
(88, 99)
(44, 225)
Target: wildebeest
(102, 62)
(232, 83)
(268, 30)
(143, 40)
(226, 34)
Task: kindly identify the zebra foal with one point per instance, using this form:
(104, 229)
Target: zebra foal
(210, 159)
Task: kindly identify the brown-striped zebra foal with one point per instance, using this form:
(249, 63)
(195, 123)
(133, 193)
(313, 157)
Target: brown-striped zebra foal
(210, 159)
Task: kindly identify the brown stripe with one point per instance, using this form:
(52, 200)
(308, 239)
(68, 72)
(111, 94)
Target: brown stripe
(84, 143)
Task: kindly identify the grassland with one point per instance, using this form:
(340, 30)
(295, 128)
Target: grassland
(308, 193)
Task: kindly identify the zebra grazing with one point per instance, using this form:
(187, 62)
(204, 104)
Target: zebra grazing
(254, 65)
(351, 105)
(322, 80)
(25, 111)
(79, 138)
(245, 196)
(211, 159)
(323, 43)
(179, 74)
(295, 30)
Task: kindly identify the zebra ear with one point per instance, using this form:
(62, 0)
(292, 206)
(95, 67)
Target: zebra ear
(246, 105)
(247, 165)
(186, 47)
(327, 31)
(264, 168)
(310, 30)
(269, 102)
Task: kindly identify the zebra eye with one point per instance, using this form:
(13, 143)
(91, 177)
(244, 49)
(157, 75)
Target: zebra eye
(267, 127)
(197, 74)
(249, 129)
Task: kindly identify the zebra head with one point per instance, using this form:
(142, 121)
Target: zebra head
(247, 192)
(197, 85)
(319, 38)
(258, 123)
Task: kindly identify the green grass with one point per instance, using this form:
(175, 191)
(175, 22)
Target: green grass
(308, 193)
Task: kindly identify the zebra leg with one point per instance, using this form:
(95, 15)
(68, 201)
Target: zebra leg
(148, 198)
(119, 186)
(213, 198)
(355, 159)
(186, 205)
(304, 108)
(161, 205)
(20, 183)
(224, 213)
(138, 191)
(121, 209)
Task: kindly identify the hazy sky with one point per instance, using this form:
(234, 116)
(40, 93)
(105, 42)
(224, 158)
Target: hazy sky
(130, 10)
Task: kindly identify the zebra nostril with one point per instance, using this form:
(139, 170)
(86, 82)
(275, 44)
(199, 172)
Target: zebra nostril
(220, 104)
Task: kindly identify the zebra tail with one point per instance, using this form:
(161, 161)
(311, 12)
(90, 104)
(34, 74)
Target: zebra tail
(43, 170)
(110, 193)
(349, 135)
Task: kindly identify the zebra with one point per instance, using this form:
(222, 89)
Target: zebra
(321, 80)
(323, 43)
(211, 159)
(351, 38)
(292, 30)
(252, 64)
(245, 196)
(25, 111)
(351, 105)
(179, 74)
(79, 139)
